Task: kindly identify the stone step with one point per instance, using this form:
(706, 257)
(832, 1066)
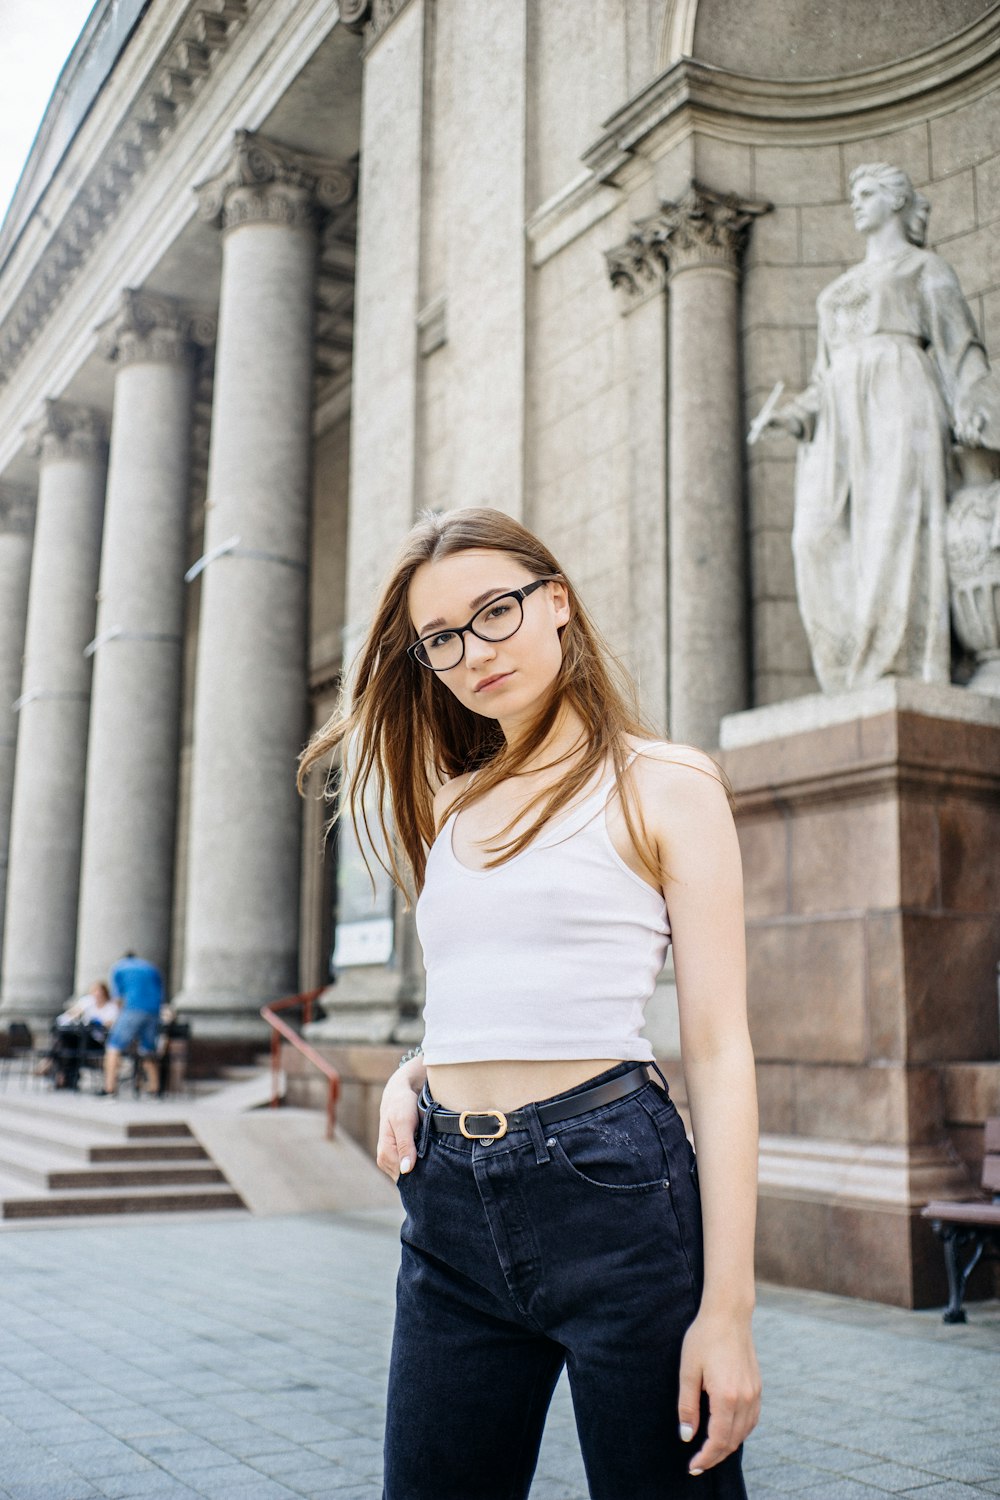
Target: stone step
(141, 1130)
(150, 1149)
(62, 1110)
(52, 1169)
(115, 1119)
(80, 1201)
(75, 1137)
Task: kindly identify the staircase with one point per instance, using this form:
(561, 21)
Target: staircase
(81, 1156)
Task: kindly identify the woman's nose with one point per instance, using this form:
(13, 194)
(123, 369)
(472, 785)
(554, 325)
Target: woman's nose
(477, 650)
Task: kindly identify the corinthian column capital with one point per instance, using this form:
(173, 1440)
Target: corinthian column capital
(267, 183)
(702, 228)
(17, 509)
(152, 330)
(66, 430)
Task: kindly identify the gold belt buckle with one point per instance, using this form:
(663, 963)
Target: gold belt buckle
(497, 1134)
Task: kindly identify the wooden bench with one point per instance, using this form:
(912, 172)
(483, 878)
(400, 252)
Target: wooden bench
(974, 1224)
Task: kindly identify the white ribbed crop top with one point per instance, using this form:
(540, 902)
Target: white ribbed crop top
(552, 955)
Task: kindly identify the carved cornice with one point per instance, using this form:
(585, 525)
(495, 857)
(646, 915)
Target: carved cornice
(148, 329)
(17, 509)
(187, 62)
(369, 17)
(66, 430)
(799, 111)
(702, 228)
(264, 182)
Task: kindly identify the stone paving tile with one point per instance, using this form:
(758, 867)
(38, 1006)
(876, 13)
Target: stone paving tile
(315, 1486)
(130, 1486)
(189, 1462)
(947, 1492)
(250, 1447)
(895, 1478)
(167, 1488)
(256, 1488)
(832, 1488)
(265, 1388)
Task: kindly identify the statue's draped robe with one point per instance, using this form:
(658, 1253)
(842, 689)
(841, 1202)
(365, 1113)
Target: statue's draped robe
(898, 350)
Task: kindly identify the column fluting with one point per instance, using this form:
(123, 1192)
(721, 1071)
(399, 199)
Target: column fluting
(696, 245)
(242, 918)
(17, 521)
(132, 763)
(43, 879)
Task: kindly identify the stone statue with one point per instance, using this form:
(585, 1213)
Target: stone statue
(899, 370)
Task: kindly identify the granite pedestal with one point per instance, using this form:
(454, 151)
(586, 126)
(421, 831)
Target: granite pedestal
(870, 830)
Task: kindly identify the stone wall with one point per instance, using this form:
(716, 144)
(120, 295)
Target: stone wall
(579, 428)
(327, 580)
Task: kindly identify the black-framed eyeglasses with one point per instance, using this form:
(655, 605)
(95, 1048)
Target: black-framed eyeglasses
(496, 621)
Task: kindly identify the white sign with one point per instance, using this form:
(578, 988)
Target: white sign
(359, 943)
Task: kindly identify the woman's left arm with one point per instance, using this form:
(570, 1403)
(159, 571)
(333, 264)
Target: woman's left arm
(690, 817)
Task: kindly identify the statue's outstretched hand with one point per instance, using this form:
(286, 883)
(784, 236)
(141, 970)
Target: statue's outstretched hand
(787, 419)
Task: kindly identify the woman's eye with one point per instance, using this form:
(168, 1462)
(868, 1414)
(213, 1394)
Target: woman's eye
(437, 642)
(498, 610)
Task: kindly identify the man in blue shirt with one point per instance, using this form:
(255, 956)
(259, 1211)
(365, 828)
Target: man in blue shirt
(139, 986)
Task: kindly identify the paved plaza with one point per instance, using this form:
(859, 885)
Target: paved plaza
(241, 1358)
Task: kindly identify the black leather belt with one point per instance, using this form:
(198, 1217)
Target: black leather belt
(492, 1124)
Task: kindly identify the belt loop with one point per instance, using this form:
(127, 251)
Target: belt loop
(425, 1107)
(530, 1112)
(656, 1069)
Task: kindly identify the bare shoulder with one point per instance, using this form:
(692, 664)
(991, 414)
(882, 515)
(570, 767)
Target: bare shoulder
(447, 794)
(683, 798)
(662, 767)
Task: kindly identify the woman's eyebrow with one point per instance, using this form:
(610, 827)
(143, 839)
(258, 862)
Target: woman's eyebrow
(473, 605)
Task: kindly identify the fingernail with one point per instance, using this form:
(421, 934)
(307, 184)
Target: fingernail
(405, 1164)
(696, 1472)
(687, 1432)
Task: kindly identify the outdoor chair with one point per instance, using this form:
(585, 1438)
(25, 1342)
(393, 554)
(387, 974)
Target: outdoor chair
(972, 1226)
(18, 1056)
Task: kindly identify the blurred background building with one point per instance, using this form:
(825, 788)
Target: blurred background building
(278, 275)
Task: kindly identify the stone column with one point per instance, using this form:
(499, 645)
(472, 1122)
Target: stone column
(47, 815)
(250, 696)
(17, 520)
(376, 982)
(131, 804)
(697, 244)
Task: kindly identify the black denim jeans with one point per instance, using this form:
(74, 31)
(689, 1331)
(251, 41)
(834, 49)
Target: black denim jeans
(579, 1244)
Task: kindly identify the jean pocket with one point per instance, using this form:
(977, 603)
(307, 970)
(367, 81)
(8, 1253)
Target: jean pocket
(618, 1150)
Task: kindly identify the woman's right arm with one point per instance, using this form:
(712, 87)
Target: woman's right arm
(398, 1114)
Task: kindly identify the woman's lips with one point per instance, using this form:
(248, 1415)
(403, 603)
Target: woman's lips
(489, 682)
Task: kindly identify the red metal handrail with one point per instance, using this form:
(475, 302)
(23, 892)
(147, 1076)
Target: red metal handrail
(281, 1029)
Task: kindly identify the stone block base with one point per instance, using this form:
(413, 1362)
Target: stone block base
(855, 1250)
(870, 830)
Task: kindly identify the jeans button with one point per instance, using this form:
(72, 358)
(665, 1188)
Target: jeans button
(551, 1141)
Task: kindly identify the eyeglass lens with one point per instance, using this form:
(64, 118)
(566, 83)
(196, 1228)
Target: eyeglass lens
(494, 622)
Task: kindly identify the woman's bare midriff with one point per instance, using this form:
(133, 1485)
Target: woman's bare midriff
(509, 1084)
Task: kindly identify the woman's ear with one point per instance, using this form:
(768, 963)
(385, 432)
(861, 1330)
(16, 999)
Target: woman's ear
(561, 603)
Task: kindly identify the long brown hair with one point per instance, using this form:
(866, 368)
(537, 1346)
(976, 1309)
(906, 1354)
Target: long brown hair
(403, 733)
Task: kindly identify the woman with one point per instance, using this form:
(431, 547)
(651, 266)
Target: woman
(82, 1026)
(552, 1208)
(899, 363)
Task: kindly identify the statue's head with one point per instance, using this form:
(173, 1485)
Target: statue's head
(879, 191)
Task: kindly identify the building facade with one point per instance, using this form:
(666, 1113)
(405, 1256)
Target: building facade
(277, 276)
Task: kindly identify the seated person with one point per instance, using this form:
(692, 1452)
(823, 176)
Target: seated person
(82, 1026)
